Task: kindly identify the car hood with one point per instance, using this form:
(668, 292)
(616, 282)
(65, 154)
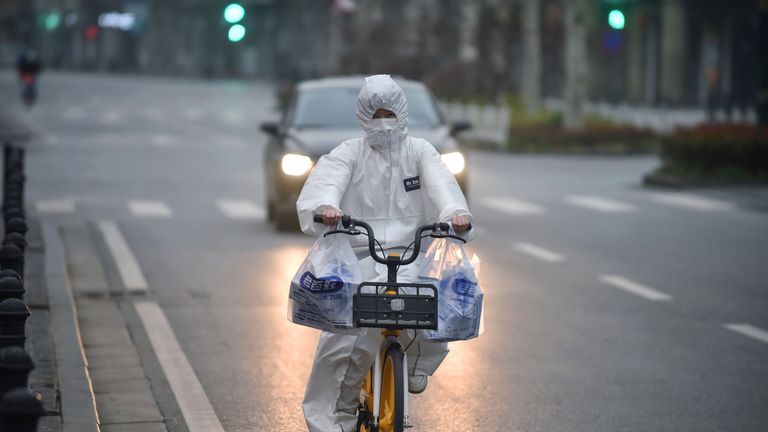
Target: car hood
(317, 142)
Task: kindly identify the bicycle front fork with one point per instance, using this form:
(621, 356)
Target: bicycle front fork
(377, 373)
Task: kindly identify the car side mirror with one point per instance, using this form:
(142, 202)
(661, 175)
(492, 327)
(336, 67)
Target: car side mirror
(460, 126)
(270, 128)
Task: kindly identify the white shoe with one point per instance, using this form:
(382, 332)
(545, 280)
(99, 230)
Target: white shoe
(417, 383)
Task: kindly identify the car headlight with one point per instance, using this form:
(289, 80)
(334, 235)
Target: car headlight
(296, 165)
(454, 161)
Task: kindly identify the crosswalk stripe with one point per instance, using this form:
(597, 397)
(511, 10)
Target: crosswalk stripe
(635, 288)
(156, 209)
(750, 331)
(74, 113)
(512, 206)
(241, 209)
(538, 252)
(162, 140)
(64, 205)
(599, 204)
(691, 202)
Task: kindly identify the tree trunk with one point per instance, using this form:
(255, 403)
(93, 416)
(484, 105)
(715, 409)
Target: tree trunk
(575, 90)
(762, 87)
(532, 55)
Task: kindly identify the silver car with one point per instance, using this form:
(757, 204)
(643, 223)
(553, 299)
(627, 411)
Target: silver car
(319, 116)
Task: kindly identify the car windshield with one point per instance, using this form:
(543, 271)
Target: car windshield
(334, 107)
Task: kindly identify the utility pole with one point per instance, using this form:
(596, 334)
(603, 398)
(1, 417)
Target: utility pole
(532, 55)
(575, 91)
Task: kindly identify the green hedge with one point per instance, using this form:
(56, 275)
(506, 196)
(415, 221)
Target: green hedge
(593, 139)
(726, 151)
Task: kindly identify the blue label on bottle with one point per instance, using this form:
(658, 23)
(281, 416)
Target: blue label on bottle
(326, 285)
(412, 184)
(464, 287)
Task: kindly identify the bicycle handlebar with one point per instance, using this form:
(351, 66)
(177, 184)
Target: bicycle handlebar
(347, 221)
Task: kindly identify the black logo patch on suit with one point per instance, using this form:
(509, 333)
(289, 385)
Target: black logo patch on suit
(412, 184)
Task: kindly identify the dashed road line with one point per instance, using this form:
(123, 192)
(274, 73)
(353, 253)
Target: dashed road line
(74, 113)
(127, 266)
(193, 113)
(749, 331)
(58, 206)
(599, 204)
(635, 288)
(692, 202)
(512, 206)
(232, 117)
(111, 118)
(162, 140)
(241, 209)
(194, 404)
(155, 209)
(539, 252)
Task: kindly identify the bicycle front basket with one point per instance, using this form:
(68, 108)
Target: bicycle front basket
(395, 305)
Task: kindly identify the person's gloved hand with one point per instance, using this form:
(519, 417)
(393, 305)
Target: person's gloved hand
(460, 223)
(331, 216)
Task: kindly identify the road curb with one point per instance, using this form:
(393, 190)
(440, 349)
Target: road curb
(78, 406)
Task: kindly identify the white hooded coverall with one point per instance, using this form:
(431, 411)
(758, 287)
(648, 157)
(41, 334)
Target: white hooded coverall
(396, 183)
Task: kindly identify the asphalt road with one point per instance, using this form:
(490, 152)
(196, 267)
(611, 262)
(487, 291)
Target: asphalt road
(609, 307)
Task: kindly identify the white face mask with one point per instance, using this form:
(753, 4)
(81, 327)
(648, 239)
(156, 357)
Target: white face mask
(382, 132)
(384, 124)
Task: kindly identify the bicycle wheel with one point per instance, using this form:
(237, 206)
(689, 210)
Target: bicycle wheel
(391, 403)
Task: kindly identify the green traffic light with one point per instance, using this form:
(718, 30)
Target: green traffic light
(52, 21)
(236, 33)
(233, 13)
(616, 19)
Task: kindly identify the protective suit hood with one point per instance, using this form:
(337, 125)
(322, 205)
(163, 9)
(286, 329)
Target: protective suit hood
(382, 92)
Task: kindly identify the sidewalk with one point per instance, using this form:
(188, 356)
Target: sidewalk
(88, 373)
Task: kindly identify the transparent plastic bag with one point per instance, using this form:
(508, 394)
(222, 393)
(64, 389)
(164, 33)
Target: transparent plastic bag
(321, 291)
(460, 298)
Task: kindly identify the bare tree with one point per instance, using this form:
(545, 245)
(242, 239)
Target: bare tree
(532, 55)
(575, 90)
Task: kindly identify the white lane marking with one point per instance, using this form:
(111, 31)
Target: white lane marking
(155, 113)
(512, 206)
(539, 252)
(599, 204)
(156, 209)
(162, 140)
(692, 202)
(193, 113)
(194, 404)
(74, 113)
(111, 118)
(65, 205)
(127, 266)
(215, 137)
(232, 117)
(241, 209)
(635, 288)
(750, 331)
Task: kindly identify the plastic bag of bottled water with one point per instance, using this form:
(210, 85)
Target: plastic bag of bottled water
(321, 291)
(460, 299)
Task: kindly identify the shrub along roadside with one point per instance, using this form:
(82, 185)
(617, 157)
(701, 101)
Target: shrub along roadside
(716, 153)
(541, 132)
(593, 139)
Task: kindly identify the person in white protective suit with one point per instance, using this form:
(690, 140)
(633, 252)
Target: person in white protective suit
(396, 183)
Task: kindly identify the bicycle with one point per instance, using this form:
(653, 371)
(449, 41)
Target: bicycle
(393, 307)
